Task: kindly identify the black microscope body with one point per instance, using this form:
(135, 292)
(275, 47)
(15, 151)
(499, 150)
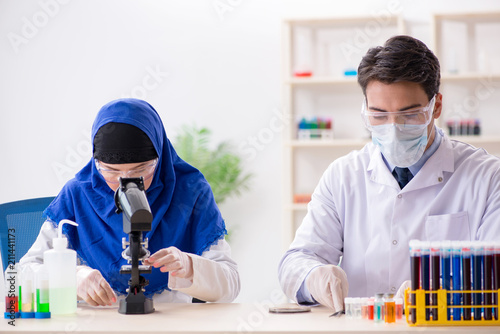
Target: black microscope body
(131, 200)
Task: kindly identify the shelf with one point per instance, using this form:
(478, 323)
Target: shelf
(298, 206)
(344, 21)
(298, 81)
(470, 17)
(359, 143)
(478, 140)
(469, 76)
(354, 143)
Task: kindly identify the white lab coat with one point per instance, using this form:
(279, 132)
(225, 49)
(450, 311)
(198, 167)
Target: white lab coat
(215, 274)
(358, 212)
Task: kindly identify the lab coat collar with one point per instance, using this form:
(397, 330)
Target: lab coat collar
(378, 171)
(431, 173)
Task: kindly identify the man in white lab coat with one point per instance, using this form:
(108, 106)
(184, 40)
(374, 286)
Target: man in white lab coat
(411, 182)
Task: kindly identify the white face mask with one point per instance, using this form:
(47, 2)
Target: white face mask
(401, 148)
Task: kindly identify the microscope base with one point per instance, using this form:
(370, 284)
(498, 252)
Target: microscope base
(136, 304)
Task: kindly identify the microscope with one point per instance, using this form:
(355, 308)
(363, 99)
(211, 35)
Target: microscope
(130, 199)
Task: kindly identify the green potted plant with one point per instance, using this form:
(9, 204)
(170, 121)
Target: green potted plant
(220, 165)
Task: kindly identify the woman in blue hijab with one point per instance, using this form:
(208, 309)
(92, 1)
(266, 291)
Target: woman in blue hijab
(190, 257)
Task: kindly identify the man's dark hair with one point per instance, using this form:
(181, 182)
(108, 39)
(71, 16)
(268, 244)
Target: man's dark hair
(402, 58)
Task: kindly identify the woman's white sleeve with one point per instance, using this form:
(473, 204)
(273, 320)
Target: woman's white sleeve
(43, 242)
(215, 276)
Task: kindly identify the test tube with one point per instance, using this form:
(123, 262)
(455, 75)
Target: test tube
(11, 277)
(435, 269)
(488, 279)
(477, 277)
(446, 272)
(378, 308)
(364, 308)
(466, 279)
(415, 256)
(496, 277)
(399, 308)
(26, 293)
(425, 274)
(348, 307)
(456, 254)
(42, 293)
(370, 309)
(356, 308)
(389, 308)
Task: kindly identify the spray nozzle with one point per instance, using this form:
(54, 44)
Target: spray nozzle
(61, 242)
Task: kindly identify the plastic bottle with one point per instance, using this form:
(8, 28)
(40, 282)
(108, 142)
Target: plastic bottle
(61, 265)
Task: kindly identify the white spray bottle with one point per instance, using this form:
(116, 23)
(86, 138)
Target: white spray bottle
(61, 265)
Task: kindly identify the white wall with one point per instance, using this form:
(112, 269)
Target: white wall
(60, 61)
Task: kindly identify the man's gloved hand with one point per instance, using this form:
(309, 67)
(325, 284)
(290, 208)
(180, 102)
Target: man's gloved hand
(93, 288)
(401, 290)
(172, 260)
(328, 285)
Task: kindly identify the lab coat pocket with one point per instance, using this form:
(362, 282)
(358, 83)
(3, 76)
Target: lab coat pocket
(454, 226)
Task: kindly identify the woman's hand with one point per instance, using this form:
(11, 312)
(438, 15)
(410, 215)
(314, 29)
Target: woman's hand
(172, 260)
(93, 288)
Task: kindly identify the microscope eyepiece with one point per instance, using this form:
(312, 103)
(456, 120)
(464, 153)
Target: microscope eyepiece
(130, 198)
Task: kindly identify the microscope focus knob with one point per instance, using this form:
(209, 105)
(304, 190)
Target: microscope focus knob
(125, 243)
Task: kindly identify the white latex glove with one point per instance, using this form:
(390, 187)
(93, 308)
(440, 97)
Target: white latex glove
(328, 285)
(172, 260)
(93, 288)
(402, 288)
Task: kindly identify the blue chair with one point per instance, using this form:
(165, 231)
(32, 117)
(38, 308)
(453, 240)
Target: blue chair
(20, 224)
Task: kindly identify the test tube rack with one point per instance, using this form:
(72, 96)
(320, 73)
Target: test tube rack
(443, 307)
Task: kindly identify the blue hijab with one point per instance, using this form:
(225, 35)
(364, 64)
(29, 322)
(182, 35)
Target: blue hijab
(184, 211)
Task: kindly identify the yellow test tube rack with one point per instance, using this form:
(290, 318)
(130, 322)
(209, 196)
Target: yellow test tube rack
(443, 307)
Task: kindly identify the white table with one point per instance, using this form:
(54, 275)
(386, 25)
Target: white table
(214, 318)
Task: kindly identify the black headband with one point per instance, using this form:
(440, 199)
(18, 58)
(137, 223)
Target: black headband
(120, 143)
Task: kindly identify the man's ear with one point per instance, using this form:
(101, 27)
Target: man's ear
(438, 106)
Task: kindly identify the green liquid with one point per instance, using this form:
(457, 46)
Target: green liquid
(42, 300)
(20, 299)
(62, 300)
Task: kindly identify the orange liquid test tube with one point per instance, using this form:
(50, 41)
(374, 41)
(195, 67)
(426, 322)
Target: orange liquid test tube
(390, 308)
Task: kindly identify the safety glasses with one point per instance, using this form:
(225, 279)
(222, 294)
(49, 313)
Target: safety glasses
(113, 176)
(401, 119)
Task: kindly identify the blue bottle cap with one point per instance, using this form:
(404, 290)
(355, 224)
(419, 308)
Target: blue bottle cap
(350, 72)
(27, 315)
(42, 315)
(8, 315)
